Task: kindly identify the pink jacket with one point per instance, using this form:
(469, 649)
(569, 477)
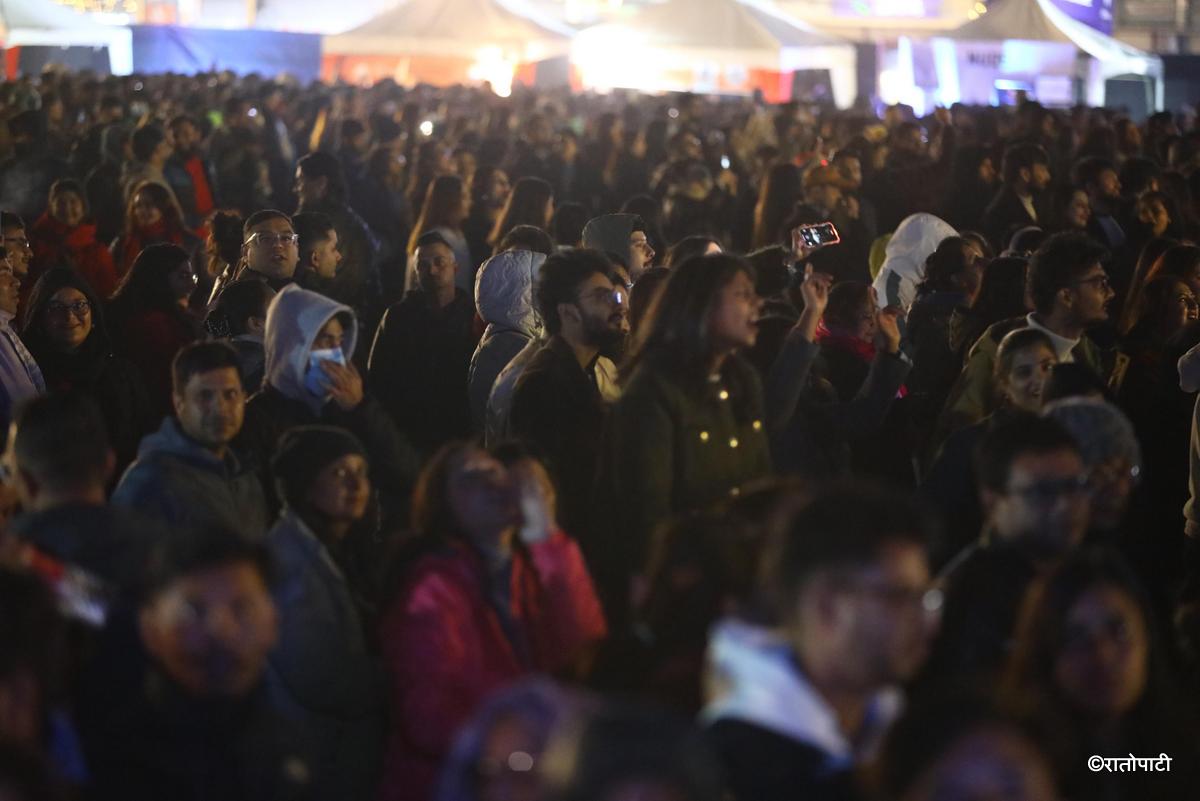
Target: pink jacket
(446, 651)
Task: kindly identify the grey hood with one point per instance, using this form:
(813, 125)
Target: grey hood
(504, 290)
(294, 319)
(169, 440)
(610, 234)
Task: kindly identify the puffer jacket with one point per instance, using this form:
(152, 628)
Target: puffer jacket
(504, 300)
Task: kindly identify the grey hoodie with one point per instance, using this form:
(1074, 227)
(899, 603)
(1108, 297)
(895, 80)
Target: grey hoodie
(504, 300)
(610, 234)
(181, 483)
(294, 319)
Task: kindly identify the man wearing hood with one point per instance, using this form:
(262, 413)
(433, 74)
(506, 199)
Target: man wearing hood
(623, 235)
(504, 300)
(309, 379)
(793, 711)
(186, 473)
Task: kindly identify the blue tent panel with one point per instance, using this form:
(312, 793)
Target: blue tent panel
(167, 48)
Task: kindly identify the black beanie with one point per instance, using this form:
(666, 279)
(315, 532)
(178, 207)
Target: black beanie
(304, 452)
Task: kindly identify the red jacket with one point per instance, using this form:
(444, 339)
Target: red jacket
(55, 244)
(446, 650)
(150, 340)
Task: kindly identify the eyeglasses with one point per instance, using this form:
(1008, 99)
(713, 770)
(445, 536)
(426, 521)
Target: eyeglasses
(613, 297)
(928, 599)
(80, 309)
(16, 241)
(1100, 281)
(268, 239)
(1047, 492)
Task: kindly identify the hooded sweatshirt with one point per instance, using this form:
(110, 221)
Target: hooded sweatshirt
(904, 266)
(504, 300)
(294, 319)
(181, 483)
(610, 234)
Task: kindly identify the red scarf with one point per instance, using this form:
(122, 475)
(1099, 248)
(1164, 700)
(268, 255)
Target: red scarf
(142, 236)
(861, 348)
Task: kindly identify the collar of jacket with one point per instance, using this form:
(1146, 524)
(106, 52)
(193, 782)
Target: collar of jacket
(759, 684)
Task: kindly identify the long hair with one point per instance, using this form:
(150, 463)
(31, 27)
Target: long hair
(146, 287)
(526, 205)
(163, 201)
(942, 265)
(1159, 256)
(676, 333)
(780, 192)
(1150, 317)
(1029, 678)
(52, 281)
(443, 208)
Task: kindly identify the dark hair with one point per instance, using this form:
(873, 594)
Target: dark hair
(260, 217)
(1022, 156)
(561, 276)
(843, 525)
(566, 226)
(322, 165)
(69, 185)
(201, 357)
(162, 199)
(1014, 436)
(1073, 380)
(237, 303)
(225, 227)
(44, 289)
(62, 441)
(846, 301)
(527, 237)
(190, 551)
(312, 227)
(943, 264)
(1151, 252)
(770, 264)
(688, 247)
(644, 293)
(146, 286)
(1087, 171)
(1041, 631)
(432, 516)
(781, 190)
(145, 140)
(526, 205)
(9, 219)
(1136, 174)
(443, 205)
(179, 120)
(675, 333)
(1061, 260)
(1013, 343)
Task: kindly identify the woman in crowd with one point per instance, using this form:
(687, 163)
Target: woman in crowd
(1001, 296)
(63, 237)
(1128, 283)
(151, 218)
(445, 210)
(689, 426)
(531, 202)
(149, 316)
(490, 190)
(64, 330)
(222, 253)
(782, 189)
(973, 184)
(1075, 211)
(1023, 364)
(479, 603)
(1090, 667)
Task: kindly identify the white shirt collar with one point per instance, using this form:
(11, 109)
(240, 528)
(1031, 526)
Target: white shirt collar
(1062, 345)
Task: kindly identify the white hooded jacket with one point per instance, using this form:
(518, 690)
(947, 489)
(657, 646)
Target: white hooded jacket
(294, 319)
(917, 236)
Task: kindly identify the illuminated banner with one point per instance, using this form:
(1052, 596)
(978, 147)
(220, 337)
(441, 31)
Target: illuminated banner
(1097, 14)
(887, 8)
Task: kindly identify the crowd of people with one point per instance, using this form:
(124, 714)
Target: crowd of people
(425, 445)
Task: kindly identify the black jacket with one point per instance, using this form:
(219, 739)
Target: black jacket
(761, 765)
(418, 368)
(1006, 214)
(557, 408)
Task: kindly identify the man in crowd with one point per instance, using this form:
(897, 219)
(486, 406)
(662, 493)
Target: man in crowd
(189, 173)
(1034, 491)
(422, 352)
(20, 377)
(623, 235)
(151, 147)
(319, 252)
(848, 580)
(1070, 291)
(556, 405)
(1022, 200)
(269, 248)
(186, 473)
(16, 244)
(61, 464)
(1099, 179)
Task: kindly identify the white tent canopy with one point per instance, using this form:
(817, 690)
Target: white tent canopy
(46, 23)
(452, 27)
(723, 34)
(1039, 22)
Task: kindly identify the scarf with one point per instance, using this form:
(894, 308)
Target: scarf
(861, 348)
